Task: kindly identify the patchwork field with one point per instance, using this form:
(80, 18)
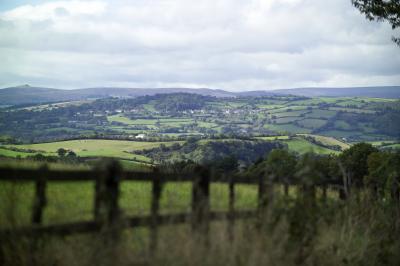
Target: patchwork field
(165, 117)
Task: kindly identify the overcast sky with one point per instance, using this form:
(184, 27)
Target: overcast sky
(227, 44)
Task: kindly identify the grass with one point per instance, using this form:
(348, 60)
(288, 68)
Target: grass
(291, 113)
(150, 122)
(353, 232)
(342, 125)
(339, 133)
(206, 124)
(380, 143)
(352, 110)
(393, 146)
(350, 233)
(312, 123)
(73, 201)
(290, 128)
(320, 113)
(287, 119)
(303, 146)
(10, 153)
(284, 137)
(120, 119)
(95, 148)
(329, 141)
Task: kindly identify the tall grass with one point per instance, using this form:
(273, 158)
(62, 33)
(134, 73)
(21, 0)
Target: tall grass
(360, 231)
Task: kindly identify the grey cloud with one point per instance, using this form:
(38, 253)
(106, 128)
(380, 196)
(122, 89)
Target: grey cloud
(221, 43)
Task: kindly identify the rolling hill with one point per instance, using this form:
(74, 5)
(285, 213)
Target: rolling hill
(376, 92)
(33, 95)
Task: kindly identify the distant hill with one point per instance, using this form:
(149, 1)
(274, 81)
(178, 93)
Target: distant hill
(32, 95)
(376, 92)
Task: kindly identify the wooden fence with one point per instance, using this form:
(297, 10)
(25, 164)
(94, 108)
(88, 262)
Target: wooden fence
(106, 210)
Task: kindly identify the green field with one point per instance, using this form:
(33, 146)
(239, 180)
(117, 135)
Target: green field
(153, 122)
(329, 141)
(284, 137)
(312, 123)
(319, 113)
(93, 148)
(10, 153)
(71, 201)
(287, 119)
(175, 116)
(290, 128)
(303, 146)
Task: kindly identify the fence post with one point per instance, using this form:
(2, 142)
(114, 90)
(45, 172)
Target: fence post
(39, 204)
(262, 200)
(309, 195)
(231, 214)
(40, 200)
(200, 199)
(106, 209)
(342, 192)
(155, 206)
(286, 188)
(324, 192)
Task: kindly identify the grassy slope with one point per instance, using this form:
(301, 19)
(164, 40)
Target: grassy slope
(168, 121)
(95, 148)
(302, 146)
(329, 140)
(9, 153)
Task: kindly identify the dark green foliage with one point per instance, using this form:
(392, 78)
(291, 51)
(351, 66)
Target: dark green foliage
(354, 161)
(279, 165)
(221, 153)
(310, 169)
(225, 165)
(180, 102)
(388, 123)
(384, 174)
(61, 152)
(381, 10)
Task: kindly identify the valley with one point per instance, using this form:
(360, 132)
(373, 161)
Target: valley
(159, 128)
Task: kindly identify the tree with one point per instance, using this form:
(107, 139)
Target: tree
(311, 170)
(71, 154)
(354, 162)
(281, 165)
(61, 152)
(384, 174)
(226, 165)
(381, 10)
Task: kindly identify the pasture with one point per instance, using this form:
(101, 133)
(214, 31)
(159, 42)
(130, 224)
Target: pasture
(338, 117)
(94, 148)
(302, 146)
(329, 141)
(73, 201)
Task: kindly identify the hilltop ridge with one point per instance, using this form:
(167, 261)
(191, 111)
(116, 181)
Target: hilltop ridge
(27, 94)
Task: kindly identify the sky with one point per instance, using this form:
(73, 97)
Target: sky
(235, 45)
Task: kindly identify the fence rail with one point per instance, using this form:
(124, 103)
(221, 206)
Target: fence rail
(106, 211)
(30, 175)
(134, 221)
